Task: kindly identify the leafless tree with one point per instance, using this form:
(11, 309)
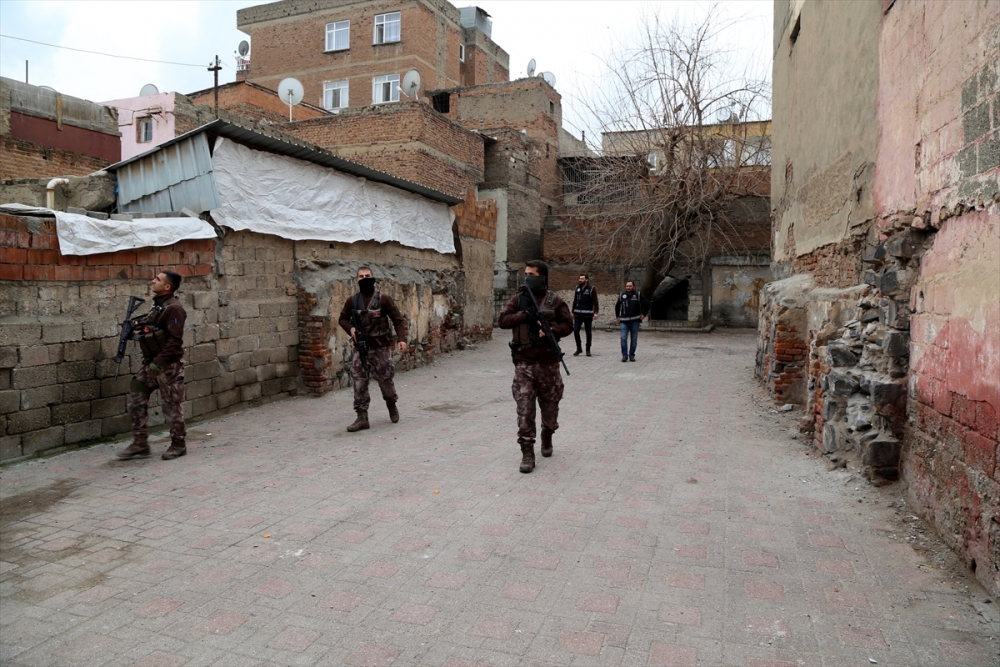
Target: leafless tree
(680, 143)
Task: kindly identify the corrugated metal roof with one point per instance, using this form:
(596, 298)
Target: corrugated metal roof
(172, 178)
(291, 147)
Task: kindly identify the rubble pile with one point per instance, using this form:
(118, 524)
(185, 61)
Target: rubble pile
(864, 383)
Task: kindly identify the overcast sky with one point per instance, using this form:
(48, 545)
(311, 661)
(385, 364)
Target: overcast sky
(567, 38)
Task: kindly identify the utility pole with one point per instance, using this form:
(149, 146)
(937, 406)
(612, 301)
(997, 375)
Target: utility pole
(214, 69)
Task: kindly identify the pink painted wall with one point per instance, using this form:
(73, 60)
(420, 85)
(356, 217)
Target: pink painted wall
(159, 107)
(939, 127)
(928, 52)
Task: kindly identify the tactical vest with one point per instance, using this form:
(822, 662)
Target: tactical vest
(369, 321)
(631, 310)
(152, 337)
(583, 303)
(522, 333)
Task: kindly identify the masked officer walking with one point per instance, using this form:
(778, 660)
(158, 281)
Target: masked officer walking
(536, 366)
(630, 309)
(160, 334)
(365, 317)
(585, 311)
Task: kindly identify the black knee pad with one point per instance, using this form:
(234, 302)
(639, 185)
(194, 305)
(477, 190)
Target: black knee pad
(140, 387)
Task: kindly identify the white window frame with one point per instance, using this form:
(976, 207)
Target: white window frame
(382, 84)
(384, 30)
(461, 53)
(329, 87)
(144, 133)
(335, 30)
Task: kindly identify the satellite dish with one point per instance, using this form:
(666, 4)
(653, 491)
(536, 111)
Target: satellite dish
(291, 92)
(531, 67)
(48, 88)
(549, 78)
(149, 89)
(411, 83)
(243, 48)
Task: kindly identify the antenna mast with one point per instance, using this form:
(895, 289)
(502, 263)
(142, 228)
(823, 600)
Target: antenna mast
(214, 69)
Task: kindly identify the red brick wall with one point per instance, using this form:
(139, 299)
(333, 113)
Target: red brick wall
(408, 140)
(833, 265)
(477, 219)
(23, 159)
(252, 102)
(26, 255)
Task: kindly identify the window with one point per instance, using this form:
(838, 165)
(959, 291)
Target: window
(335, 95)
(385, 88)
(461, 52)
(652, 159)
(144, 130)
(387, 28)
(338, 36)
(441, 102)
(756, 152)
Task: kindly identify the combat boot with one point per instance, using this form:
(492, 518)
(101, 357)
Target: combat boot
(527, 458)
(177, 449)
(546, 442)
(139, 449)
(393, 412)
(361, 423)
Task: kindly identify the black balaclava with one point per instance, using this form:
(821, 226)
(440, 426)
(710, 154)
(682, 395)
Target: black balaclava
(367, 286)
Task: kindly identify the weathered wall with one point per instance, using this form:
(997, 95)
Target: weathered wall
(59, 320)
(825, 129)
(250, 100)
(248, 297)
(736, 293)
(24, 159)
(409, 140)
(912, 379)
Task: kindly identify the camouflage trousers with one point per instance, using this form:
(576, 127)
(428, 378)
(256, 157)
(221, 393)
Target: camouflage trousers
(536, 382)
(170, 382)
(381, 368)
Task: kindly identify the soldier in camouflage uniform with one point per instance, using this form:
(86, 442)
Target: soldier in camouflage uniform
(536, 366)
(366, 316)
(160, 334)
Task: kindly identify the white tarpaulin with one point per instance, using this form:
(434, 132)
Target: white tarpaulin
(83, 235)
(294, 199)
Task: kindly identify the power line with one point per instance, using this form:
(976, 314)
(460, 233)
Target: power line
(98, 53)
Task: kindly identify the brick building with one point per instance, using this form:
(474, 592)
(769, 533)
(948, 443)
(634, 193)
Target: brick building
(716, 280)
(468, 126)
(886, 235)
(44, 133)
(353, 53)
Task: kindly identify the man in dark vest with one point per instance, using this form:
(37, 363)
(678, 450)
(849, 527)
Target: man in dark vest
(536, 366)
(365, 317)
(160, 334)
(630, 309)
(585, 311)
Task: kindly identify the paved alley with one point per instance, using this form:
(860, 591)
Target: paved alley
(677, 524)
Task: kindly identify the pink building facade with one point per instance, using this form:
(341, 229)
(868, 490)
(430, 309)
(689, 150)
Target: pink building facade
(145, 122)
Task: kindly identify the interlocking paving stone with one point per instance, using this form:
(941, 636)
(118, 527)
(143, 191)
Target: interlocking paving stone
(675, 525)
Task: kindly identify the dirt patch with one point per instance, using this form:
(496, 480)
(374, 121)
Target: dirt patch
(19, 507)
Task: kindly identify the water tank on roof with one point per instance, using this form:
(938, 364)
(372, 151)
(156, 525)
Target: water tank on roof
(474, 17)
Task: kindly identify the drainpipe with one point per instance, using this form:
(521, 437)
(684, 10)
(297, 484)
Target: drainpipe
(50, 191)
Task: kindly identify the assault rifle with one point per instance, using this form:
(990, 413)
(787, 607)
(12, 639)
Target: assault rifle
(360, 342)
(128, 328)
(536, 312)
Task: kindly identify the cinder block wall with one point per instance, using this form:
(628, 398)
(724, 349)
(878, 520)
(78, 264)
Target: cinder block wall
(59, 319)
